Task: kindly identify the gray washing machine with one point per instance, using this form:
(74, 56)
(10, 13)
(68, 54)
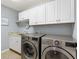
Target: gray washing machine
(58, 47)
(31, 46)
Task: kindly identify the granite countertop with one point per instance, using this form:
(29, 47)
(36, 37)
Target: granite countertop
(14, 33)
(32, 34)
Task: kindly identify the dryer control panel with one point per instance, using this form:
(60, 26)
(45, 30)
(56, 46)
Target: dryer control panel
(47, 42)
(51, 42)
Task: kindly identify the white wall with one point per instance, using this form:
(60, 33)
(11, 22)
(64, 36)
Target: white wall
(23, 29)
(75, 31)
(62, 29)
(12, 27)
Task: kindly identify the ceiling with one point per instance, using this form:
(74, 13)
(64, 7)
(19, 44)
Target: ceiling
(21, 5)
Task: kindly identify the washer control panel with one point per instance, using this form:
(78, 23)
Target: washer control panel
(51, 42)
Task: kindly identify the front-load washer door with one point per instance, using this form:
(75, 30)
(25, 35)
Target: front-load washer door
(53, 52)
(29, 50)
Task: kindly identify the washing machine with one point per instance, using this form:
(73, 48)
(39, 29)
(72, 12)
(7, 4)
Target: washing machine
(30, 45)
(58, 47)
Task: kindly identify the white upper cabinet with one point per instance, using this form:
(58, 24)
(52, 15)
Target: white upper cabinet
(23, 15)
(40, 14)
(51, 12)
(32, 16)
(37, 15)
(73, 10)
(65, 11)
(60, 11)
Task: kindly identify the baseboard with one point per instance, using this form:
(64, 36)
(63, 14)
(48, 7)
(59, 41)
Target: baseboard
(4, 50)
(15, 51)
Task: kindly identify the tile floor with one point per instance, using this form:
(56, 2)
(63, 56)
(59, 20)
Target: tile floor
(10, 55)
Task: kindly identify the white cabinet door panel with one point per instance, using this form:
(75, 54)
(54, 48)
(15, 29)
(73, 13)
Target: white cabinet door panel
(65, 13)
(23, 15)
(40, 14)
(15, 43)
(26, 14)
(20, 16)
(32, 16)
(51, 12)
(73, 10)
(37, 15)
(65, 10)
(19, 45)
(11, 43)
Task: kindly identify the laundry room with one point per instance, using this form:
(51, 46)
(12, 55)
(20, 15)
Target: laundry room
(38, 29)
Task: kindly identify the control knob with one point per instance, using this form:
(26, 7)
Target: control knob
(56, 42)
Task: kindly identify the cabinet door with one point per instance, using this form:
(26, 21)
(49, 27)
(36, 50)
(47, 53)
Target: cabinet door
(73, 10)
(65, 11)
(15, 43)
(40, 14)
(23, 15)
(19, 45)
(37, 15)
(12, 42)
(51, 12)
(26, 14)
(32, 16)
(20, 15)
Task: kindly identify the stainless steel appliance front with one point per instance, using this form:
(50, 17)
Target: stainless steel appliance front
(58, 47)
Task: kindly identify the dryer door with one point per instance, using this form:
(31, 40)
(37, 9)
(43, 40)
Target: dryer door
(29, 50)
(53, 52)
